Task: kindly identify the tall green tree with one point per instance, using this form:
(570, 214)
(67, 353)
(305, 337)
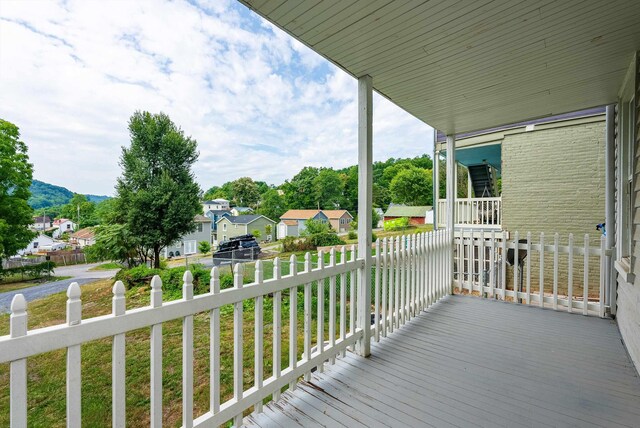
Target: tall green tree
(245, 192)
(299, 192)
(158, 197)
(328, 186)
(15, 178)
(80, 210)
(412, 186)
(272, 205)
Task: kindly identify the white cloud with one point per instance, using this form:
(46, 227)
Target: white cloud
(258, 102)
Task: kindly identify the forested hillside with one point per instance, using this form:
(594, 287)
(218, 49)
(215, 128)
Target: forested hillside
(45, 195)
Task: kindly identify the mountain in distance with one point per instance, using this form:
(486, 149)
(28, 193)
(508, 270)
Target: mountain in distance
(44, 195)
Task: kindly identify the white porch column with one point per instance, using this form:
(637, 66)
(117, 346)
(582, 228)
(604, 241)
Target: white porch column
(469, 195)
(365, 206)
(451, 199)
(436, 180)
(609, 204)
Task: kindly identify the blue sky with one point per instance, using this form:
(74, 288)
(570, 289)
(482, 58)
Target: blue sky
(259, 103)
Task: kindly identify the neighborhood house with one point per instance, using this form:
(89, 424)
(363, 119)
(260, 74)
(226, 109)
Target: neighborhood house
(232, 226)
(63, 225)
(41, 223)
(241, 210)
(416, 215)
(83, 237)
(214, 216)
(292, 223)
(216, 204)
(188, 244)
(42, 243)
(340, 220)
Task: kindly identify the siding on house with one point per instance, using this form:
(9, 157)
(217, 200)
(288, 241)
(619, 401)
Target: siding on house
(628, 299)
(553, 180)
(229, 228)
(188, 244)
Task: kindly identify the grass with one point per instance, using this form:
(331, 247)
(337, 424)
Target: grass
(46, 372)
(19, 284)
(107, 266)
(410, 230)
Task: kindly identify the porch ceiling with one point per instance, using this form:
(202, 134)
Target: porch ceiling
(468, 65)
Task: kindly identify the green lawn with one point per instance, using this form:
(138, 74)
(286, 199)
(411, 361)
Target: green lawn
(107, 266)
(46, 372)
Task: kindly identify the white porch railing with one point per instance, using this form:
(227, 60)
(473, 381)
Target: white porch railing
(481, 261)
(410, 274)
(477, 213)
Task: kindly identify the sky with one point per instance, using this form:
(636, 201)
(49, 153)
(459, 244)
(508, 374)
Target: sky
(259, 103)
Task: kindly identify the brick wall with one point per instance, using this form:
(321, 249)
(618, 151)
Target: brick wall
(553, 180)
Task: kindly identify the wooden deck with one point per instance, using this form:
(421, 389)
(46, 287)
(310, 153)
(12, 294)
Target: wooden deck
(474, 362)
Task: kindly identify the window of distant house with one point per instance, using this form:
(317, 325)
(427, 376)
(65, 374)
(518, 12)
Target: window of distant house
(68, 226)
(199, 227)
(35, 244)
(224, 226)
(235, 226)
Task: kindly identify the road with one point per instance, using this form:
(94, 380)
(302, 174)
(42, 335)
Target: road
(78, 273)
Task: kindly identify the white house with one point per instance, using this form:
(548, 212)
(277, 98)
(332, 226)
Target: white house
(215, 205)
(42, 243)
(63, 225)
(236, 211)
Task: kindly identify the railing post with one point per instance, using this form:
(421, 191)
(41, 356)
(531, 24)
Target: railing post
(156, 356)
(365, 161)
(18, 379)
(187, 355)
(118, 361)
(238, 388)
(74, 380)
(451, 201)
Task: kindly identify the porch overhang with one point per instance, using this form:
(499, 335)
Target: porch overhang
(463, 66)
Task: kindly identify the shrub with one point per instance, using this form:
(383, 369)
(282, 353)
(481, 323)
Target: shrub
(34, 271)
(374, 237)
(204, 247)
(324, 240)
(137, 276)
(352, 234)
(396, 224)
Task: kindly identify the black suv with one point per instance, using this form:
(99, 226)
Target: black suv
(244, 247)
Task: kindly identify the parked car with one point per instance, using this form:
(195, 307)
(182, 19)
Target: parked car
(244, 247)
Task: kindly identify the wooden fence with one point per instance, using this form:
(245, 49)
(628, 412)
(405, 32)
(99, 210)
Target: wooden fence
(410, 274)
(481, 260)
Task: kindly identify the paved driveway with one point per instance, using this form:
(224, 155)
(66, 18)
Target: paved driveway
(78, 273)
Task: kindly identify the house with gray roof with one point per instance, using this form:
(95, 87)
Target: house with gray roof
(232, 226)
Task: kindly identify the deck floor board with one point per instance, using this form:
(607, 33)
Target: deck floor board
(475, 362)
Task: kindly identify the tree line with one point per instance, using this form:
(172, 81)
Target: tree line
(404, 181)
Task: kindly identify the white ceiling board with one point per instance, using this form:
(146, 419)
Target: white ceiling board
(462, 65)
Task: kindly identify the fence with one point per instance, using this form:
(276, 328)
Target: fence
(481, 261)
(483, 213)
(409, 274)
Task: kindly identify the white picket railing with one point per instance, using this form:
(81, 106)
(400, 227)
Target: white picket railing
(410, 274)
(481, 260)
(479, 213)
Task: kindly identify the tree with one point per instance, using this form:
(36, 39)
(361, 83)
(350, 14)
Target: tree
(158, 197)
(327, 186)
(80, 205)
(15, 178)
(315, 227)
(412, 186)
(299, 192)
(245, 192)
(272, 205)
(256, 233)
